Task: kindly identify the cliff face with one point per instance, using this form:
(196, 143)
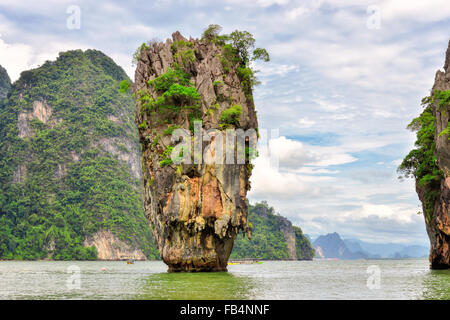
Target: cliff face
(5, 83)
(438, 224)
(110, 247)
(196, 210)
(70, 178)
(289, 234)
(273, 238)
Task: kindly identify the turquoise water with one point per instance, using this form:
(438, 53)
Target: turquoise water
(392, 279)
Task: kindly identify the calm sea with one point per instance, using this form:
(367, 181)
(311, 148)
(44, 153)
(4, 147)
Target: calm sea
(361, 279)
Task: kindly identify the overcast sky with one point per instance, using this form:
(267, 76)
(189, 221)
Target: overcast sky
(344, 80)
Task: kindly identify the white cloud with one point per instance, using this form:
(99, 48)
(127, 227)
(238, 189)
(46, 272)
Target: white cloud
(291, 153)
(331, 156)
(314, 170)
(430, 10)
(15, 58)
(382, 211)
(294, 154)
(396, 162)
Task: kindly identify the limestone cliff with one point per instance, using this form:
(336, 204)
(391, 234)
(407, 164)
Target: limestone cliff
(196, 210)
(70, 178)
(438, 224)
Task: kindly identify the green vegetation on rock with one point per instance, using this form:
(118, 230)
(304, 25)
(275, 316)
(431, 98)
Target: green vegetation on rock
(230, 116)
(420, 163)
(177, 93)
(5, 82)
(444, 101)
(170, 77)
(166, 160)
(444, 98)
(59, 182)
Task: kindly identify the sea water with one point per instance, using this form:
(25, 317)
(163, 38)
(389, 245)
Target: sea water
(329, 279)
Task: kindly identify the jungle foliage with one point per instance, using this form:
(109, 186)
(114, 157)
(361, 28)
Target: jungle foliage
(420, 162)
(58, 185)
(268, 241)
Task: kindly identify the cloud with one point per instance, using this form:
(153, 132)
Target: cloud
(330, 156)
(291, 153)
(274, 70)
(267, 3)
(367, 203)
(371, 175)
(15, 58)
(430, 10)
(397, 213)
(404, 10)
(260, 3)
(283, 184)
(305, 123)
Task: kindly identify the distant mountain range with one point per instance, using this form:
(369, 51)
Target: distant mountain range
(387, 250)
(332, 246)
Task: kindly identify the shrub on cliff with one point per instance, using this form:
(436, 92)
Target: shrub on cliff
(420, 162)
(237, 47)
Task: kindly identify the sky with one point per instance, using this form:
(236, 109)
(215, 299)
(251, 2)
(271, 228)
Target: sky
(345, 79)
